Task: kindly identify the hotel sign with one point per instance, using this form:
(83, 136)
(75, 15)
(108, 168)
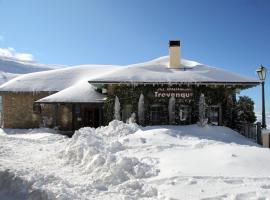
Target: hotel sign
(173, 92)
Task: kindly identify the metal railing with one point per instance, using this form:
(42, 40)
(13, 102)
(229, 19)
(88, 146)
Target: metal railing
(251, 131)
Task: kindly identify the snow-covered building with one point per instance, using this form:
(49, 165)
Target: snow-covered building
(19, 95)
(162, 91)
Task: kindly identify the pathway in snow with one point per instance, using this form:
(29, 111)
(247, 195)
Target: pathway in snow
(124, 161)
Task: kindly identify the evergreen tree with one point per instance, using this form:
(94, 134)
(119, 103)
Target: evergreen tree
(117, 109)
(245, 110)
(202, 107)
(141, 110)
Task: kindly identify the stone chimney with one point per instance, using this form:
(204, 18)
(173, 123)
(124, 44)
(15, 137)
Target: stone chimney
(175, 54)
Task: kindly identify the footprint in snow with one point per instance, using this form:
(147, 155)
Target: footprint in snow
(221, 197)
(143, 140)
(244, 196)
(192, 182)
(267, 187)
(233, 181)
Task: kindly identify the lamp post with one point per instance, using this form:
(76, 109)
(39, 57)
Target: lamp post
(261, 71)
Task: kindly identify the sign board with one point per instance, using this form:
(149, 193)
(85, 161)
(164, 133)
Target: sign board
(173, 92)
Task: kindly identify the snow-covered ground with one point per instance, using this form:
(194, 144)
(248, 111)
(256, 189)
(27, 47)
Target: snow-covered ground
(125, 161)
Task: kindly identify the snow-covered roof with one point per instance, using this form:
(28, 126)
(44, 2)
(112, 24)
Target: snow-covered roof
(157, 71)
(81, 92)
(16, 66)
(55, 80)
(11, 68)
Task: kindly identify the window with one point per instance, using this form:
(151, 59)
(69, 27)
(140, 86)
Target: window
(158, 114)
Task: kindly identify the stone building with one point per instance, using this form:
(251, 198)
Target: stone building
(19, 97)
(162, 91)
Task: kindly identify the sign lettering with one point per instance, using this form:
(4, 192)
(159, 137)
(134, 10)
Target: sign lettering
(173, 92)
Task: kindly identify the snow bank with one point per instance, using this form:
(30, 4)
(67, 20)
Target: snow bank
(125, 161)
(12, 187)
(95, 153)
(32, 134)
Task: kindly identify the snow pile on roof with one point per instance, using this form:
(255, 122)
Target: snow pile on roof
(124, 161)
(81, 92)
(6, 76)
(55, 80)
(157, 71)
(21, 67)
(10, 68)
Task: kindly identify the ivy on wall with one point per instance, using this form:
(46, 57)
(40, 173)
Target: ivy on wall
(129, 94)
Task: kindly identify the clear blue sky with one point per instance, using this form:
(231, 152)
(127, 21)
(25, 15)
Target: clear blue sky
(232, 34)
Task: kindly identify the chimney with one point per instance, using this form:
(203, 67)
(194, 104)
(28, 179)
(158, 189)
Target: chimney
(175, 54)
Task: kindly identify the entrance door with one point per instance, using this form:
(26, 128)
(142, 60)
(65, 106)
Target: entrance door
(91, 117)
(213, 115)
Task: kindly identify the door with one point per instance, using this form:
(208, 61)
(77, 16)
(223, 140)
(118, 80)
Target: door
(214, 115)
(91, 117)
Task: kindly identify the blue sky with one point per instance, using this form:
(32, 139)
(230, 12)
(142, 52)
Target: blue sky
(232, 34)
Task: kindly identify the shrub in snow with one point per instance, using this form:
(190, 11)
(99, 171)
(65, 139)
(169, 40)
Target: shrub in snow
(117, 109)
(141, 109)
(202, 107)
(171, 108)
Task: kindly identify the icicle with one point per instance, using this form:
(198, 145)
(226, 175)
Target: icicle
(171, 109)
(141, 109)
(117, 109)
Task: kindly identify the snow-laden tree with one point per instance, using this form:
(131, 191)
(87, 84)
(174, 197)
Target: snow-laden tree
(245, 110)
(117, 109)
(141, 109)
(202, 108)
(171, 108)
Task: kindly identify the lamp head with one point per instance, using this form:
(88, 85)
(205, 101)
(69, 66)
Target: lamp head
(261, 71)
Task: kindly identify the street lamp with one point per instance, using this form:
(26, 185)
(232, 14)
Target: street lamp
(261, 71)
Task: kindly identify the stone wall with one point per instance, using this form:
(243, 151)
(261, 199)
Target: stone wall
(18, 112)
(18, 109)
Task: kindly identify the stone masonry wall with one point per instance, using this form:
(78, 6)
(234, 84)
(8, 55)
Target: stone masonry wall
(18, 109)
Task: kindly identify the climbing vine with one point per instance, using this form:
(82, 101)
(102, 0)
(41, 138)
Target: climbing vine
(129, 94)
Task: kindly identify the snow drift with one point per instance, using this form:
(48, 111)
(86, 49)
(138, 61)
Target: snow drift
(92, 155)
(126, 161)
(94, 152)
